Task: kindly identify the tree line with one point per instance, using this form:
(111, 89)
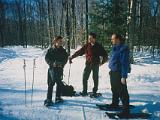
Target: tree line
(36, 22)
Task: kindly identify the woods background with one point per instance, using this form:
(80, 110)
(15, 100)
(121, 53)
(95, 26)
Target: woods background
(36, 22)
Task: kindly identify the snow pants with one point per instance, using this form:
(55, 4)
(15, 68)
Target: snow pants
(54, 76)
(86, 74)
(119, 90)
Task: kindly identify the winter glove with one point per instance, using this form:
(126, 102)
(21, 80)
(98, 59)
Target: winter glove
(100, 64)
(70, 60)
(58, 64)
(123, 81)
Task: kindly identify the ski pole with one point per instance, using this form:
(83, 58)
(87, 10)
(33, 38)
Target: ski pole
(84, 115)
(34, 63)
(24, 67)
(69, 73)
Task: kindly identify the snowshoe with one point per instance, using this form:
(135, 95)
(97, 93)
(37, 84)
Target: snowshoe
(95, 95)
(77, 94)
(128, 116)
(48, 102)
(111, 107)
(59, 100)
(83, 94)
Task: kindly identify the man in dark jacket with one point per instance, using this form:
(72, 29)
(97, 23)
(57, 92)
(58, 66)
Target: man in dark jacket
(56, 58)
(92, 50)
(119, 66)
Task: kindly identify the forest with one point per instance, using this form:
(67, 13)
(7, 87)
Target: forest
(37, 22)
(44, 78)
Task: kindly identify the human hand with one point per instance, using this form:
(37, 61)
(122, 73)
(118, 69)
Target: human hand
(123, 81)
(70, 60)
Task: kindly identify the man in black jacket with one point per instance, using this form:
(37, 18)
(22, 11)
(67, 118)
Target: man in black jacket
(56, 58)
(93, 50)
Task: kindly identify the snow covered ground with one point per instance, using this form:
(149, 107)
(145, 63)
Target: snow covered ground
(143, 86)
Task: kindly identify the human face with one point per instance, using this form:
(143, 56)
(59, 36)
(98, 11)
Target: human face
(114, 40)
(59, 43)
(91, 39)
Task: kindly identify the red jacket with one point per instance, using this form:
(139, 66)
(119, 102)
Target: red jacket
(92, 53)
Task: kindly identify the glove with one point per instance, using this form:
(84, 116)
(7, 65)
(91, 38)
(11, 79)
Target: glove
(70, 60)
(123, 81)
(100, 64)
(57, 64)
(60, 66)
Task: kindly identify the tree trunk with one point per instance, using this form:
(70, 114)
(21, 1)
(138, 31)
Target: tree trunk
(86, 19)
(68, 26)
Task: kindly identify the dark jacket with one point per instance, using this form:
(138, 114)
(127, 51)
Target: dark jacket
(93, 53)
(119, 60)
(56, 56)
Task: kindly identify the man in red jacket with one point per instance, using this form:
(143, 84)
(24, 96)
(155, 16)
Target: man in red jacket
(92, 50)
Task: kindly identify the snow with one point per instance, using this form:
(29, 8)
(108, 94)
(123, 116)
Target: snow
(143, 86)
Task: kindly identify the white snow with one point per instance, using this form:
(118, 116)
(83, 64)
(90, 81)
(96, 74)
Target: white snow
(143, 86)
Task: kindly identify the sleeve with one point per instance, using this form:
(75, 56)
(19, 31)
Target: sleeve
(48, 58)
(65, 57)
(80, 52)
(104, 54)
(124, 60)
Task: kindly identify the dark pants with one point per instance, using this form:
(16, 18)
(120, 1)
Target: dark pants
(86, 74)
(54, 76)
(119, 90)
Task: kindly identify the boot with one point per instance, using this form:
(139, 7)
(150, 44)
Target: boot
(84, 93)
(95, 95)
(58, 100)
(48, 102)
(125, 112)
(114, 106)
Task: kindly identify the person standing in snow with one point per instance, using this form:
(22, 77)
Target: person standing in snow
(119, 68)
(92, 50)
(56, 58)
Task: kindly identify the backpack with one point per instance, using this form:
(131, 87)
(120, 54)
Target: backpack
(67, 90)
